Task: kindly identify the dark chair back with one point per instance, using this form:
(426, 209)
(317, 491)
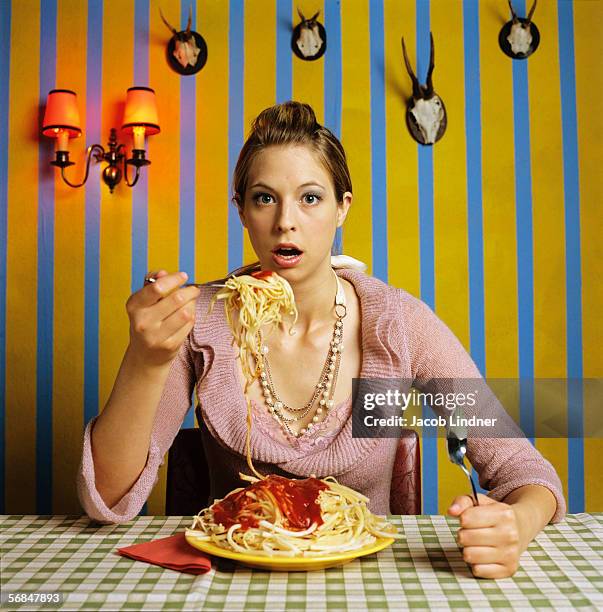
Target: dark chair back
(188, 489)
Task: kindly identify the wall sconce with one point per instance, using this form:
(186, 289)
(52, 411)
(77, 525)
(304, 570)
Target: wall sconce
(62, 121)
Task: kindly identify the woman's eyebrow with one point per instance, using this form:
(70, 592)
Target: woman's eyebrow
(272, 189)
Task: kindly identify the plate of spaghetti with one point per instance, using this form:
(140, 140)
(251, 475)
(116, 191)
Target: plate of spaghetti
(275, 522)
(286, 524)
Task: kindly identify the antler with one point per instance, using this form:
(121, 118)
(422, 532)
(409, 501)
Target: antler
(172, 29)
(301, 15)
(515, 20)
(190, 21)
(416, 89)
(531, 13)
(429, 91)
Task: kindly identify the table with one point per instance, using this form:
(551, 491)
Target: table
(562, 569)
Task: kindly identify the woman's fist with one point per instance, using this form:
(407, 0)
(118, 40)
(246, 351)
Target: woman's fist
(162, 315)
(489, 535)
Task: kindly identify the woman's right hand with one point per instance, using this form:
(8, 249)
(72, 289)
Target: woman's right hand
(162, 315)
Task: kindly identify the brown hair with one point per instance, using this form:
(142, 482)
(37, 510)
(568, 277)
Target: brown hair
(290, 123)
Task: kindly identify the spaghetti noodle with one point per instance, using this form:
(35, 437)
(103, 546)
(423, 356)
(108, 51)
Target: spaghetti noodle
(273, 515)
(261, 298)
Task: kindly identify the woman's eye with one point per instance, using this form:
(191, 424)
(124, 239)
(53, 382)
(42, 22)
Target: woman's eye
(315, 198)
(260, 198)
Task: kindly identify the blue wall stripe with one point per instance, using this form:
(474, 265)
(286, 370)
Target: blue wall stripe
(284, 55)
(333, 86)
(473, 134)
(188, 132)
(140, 225)
(426, 219)
(5, 24)
(45, 313)
(94, 83)
(473, 138)
(333, 68)
(236, 74)
(378, 146)
(426, 253)
(141, 42)
(140, 201)
(573, 270)
(525, 256)
(187, 160)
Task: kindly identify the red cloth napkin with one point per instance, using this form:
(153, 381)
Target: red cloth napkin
(173, 552)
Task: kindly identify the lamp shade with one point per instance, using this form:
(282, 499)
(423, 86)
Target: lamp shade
(61, 114)
(141, 110)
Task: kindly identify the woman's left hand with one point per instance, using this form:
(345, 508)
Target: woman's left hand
(489, 535)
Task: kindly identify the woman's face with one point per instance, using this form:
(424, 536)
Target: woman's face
(290, 198)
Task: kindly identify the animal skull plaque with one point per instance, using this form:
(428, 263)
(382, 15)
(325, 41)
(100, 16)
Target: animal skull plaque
(186, 50)
(519, 38)
(309, 38)
(425, 112)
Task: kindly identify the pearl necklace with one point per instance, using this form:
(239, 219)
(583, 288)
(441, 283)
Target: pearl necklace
(325, 388)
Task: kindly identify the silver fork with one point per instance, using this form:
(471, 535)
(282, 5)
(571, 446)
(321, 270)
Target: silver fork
(204, 285)
(456, 440)
(151, 279)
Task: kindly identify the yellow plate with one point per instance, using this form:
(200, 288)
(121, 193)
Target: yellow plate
(287, 564)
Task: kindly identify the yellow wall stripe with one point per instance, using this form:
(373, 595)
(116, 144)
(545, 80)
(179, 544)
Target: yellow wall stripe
(115, 212)
(21, 260)
(402, 160)
(588, 17)
(549, 226)
(498, 179)
(450, 208)
(213, 182)
(68, 366)
(259, 82)
(356, 129)
(164, 177)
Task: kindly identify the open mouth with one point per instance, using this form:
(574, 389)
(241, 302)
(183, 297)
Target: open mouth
(287, 252)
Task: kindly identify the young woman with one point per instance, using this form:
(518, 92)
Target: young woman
(293, 189)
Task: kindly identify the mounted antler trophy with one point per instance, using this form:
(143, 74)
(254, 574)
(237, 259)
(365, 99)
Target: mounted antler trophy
(186, 50)
(309, 39)
(425, 112)
(519, 38)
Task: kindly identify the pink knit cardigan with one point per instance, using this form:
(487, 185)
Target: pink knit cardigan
(401, 338)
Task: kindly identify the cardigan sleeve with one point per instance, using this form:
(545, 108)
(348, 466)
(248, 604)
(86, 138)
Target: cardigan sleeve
(440, 363)
(173, 407)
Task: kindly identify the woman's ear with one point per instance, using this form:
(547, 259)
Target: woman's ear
(343, 207)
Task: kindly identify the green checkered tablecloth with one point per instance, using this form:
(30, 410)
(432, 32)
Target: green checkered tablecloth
(562, 569)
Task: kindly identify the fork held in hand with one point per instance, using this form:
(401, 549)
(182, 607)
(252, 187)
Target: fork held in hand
(457, 448)
(151, 279)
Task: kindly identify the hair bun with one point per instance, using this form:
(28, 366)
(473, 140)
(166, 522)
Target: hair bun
(290, 118)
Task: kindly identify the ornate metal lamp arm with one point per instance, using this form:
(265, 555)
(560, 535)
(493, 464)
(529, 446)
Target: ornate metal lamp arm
(62, 162)
(136, 176)
(138, 160)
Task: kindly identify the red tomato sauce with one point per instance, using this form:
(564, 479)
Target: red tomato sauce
(261, 274)
(297, 501)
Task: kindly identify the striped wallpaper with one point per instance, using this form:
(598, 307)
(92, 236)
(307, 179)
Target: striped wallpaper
(496, 227)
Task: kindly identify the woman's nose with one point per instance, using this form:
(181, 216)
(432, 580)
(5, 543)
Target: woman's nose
(285, 217)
